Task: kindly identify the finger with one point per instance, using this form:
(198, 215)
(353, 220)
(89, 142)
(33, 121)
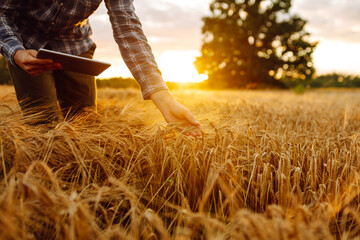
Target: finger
(35, 71)
(201, 130)
(52, 66)
(198, 132)
(47, 67)
(195, 134)
(191, 118)
(34, 60)
(32, 52)
(37, 61)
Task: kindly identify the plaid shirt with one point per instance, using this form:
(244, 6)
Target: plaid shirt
(63, 25)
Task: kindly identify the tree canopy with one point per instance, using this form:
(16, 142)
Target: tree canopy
(254, 43)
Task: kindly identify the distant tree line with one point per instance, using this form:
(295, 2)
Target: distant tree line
(117, 82)
(333, 80)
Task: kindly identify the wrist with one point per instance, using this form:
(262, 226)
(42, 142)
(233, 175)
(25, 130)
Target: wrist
(18, 55)
(162, 97)
(15, 55)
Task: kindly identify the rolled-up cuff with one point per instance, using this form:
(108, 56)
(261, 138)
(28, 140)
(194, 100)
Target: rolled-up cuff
(152, 84)
(15, 46)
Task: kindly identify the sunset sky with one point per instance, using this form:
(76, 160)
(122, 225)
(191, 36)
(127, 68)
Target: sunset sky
(173, 29)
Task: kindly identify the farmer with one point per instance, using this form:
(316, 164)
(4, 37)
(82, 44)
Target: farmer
(62, 25)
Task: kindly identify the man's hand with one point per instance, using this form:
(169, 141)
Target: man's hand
(173, 111)
(26, 59)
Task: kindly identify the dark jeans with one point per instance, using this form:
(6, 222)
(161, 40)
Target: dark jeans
(40, 97)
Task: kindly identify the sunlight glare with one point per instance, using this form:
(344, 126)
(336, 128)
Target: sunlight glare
(178, 66)
(328, 54)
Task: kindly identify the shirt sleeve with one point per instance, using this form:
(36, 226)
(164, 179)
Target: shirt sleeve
(10, 41)
(134, 46)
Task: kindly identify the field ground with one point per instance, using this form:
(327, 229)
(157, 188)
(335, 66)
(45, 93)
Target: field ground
(271, 165)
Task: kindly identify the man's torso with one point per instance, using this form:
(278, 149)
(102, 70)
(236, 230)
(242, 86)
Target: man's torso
(53, 23)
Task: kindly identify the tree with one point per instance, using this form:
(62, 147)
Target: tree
(4, 72)
(254, 43)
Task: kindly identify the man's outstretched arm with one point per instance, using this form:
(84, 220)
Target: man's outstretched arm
(134, 47)
(138, 56)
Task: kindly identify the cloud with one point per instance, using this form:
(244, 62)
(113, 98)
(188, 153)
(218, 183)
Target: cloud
(177, 22)
(336, 20)
(336, 25)
(168, 24)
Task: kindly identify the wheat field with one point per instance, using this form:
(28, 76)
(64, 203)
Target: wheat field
(271, 165)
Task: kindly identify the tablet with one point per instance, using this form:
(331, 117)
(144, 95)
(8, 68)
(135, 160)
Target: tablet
(74, 63)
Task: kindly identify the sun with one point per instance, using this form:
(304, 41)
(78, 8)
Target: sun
(178, 66)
